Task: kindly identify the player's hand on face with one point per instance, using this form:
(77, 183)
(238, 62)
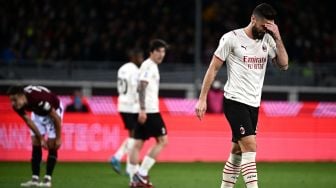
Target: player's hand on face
(58, 143)
(142, 117)
(273, 29)
(200, 109)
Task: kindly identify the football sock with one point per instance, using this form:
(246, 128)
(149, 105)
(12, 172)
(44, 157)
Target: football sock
(51, 161)
(249, 169)
(146, 165)
(132, 169)
(36, 160)
(231, 171)
(130, 144)
(121, 151)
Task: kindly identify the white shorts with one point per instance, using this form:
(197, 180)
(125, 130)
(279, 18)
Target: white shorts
(45, 124)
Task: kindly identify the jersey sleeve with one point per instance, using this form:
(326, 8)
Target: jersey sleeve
(145, 73)
(272, 47)
(224, 48)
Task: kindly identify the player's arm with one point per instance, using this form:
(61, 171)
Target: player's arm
(29, 122)
(209, 77)
(57, 122)
(142, 96)
(281, 59)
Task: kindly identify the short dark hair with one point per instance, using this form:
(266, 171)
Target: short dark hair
(265, 10)
(156, 44)
(134, 51)
(16, 89)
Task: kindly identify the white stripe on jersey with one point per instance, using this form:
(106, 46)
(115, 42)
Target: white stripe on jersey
(128, 76)
(246, 61)
(149, 72)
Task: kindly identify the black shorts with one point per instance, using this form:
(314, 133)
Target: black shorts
(153, 127)
(242, 118)
(130, 120)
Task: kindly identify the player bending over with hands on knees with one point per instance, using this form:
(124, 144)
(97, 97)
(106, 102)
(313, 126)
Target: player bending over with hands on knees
(45, 119)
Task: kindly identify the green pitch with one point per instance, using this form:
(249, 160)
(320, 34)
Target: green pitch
(175, 175)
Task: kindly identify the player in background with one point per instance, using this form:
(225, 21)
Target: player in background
(246, 52)
(45, 119)
(128, 104)
(151, 123)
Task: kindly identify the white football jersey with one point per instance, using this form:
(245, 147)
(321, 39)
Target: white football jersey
(149, 72)
(246, 61)
(128, 76)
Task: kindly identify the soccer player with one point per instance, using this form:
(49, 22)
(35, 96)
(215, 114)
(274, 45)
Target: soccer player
(128, 104)
(46, 118)
(246, 52)
(151, 123)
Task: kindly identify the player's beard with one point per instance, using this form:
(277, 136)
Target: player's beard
(257, 34)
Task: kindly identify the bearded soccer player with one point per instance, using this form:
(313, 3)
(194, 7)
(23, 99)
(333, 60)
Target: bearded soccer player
(45, 119)
(246, 52)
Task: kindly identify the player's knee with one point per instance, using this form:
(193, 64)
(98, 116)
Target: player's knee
(137, 145)
(248, 144)
(162, 141)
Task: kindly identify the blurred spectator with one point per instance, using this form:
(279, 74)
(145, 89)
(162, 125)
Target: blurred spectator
(78, 104)
(215, 98)
(88, 30)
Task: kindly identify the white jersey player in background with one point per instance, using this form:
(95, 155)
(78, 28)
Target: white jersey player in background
(151, 123)
(246, 52)
(128, 104)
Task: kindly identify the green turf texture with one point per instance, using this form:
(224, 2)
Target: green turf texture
(175, 175)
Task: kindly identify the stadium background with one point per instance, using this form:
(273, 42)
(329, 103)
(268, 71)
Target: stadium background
(79, 44)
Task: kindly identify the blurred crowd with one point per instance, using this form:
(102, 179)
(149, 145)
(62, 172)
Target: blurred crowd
(103, 30)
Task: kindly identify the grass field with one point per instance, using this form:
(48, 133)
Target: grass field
(175, 175)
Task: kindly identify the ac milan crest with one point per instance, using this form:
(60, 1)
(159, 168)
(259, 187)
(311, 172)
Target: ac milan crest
(242, 130)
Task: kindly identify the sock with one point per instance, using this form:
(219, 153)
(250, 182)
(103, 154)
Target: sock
(51, 161)
(231, 171)
(132, 169)
(121, 151)
(130, 144)
(146, 165)
(36, 160)
(249, 169)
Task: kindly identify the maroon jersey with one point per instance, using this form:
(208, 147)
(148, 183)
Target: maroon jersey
(39, 100)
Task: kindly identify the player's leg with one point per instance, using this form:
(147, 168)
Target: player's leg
(35, 163)
(133, 167)
(52, 149)
(116, 158)
(150, 159)
(36, 153)
(155, 128)
(248, 146)
(130, 145)
(129, 120)
(51, 163)
(248, 164)
(231, 169)
(243, 132)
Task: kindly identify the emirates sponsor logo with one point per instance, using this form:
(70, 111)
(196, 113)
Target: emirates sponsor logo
(255, 62)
